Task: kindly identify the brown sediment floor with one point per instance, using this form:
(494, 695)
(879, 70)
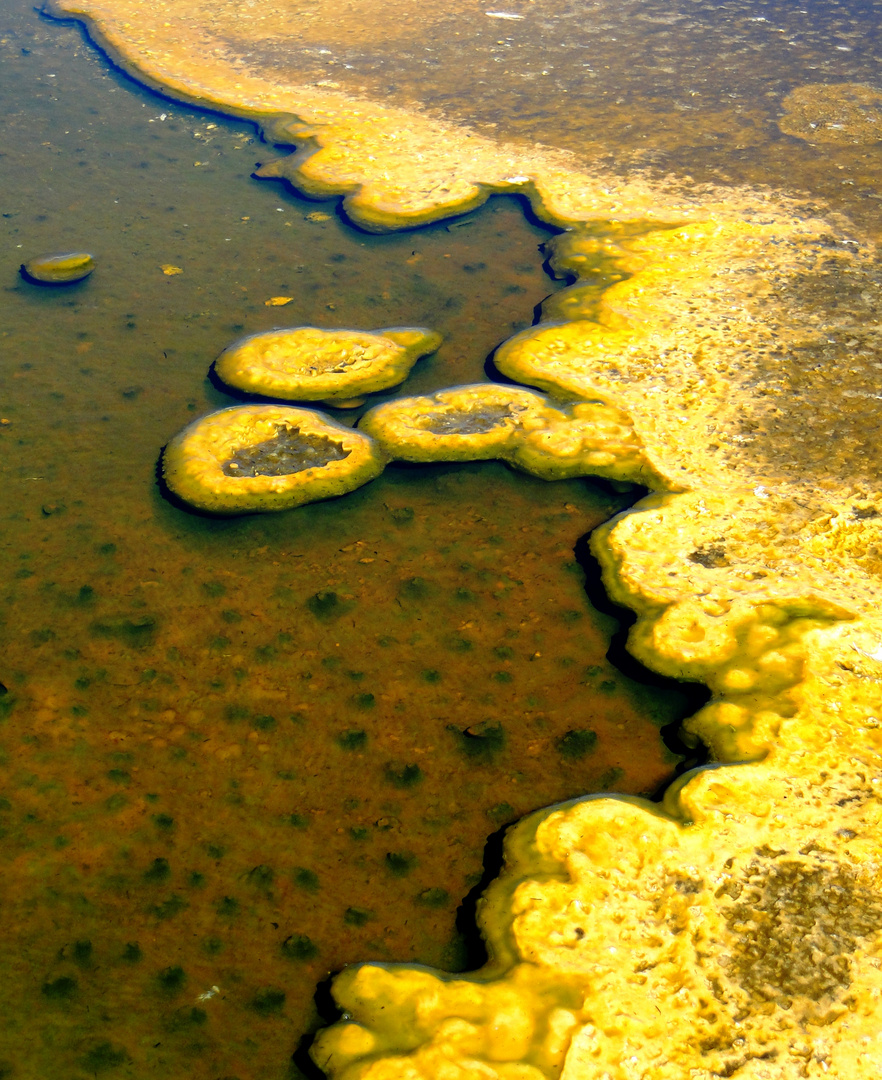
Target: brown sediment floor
(205, 755)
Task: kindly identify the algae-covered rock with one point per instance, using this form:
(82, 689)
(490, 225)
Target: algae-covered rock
(266, 457)
(527, 429)
(334, 366)
(59, 269)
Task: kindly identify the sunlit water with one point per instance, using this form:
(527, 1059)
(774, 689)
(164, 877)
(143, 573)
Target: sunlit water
(239, 754)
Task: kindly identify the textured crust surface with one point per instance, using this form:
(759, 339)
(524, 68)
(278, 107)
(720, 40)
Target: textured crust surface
(309, 364)
(530, 431)
(193, 463)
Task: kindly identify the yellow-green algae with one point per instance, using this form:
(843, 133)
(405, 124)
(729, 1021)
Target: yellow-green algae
(306, 363)
(553, 440)
(684, 911)
(59, 269)
(266, 457)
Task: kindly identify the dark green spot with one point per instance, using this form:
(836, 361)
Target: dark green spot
(324, 604)
(400, 863)
(501, 812)
(415, 588)
(576, 743)
(82, 953)
(357, 916)
(299, 947)
(610, 778)
(433, 898)
(61, 989)
(306, 879)
(158, 871)
(261, 877)
(169, 908)
(482, 740)
(353, 739)
(405, 777)
(268, 1002)
(104, 1056)
(172, 979)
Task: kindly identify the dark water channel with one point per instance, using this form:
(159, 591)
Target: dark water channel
(236, 755)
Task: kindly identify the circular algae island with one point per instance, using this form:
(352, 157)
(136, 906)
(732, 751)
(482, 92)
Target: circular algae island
(337, 367)
(266, 457)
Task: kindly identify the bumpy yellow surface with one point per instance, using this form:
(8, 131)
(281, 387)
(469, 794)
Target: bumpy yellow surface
(526, 429)
(734, 930)
(266, 457)
(334, 366)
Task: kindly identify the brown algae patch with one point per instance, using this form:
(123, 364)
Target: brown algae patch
(266, 457)
(332, 366)
(288, 451)
(845, 113)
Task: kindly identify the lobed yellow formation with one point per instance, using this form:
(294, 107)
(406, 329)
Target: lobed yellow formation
(266, 457)
(528, 430)
(732, 931)
(337, 367)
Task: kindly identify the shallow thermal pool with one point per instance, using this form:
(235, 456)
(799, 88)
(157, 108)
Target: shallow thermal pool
(239, 754)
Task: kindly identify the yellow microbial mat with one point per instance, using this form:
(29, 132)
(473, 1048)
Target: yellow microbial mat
(334, 366)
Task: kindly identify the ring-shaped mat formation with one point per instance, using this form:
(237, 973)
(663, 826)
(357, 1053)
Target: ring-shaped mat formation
(252, 458)
(338, 367)
(552, 440)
